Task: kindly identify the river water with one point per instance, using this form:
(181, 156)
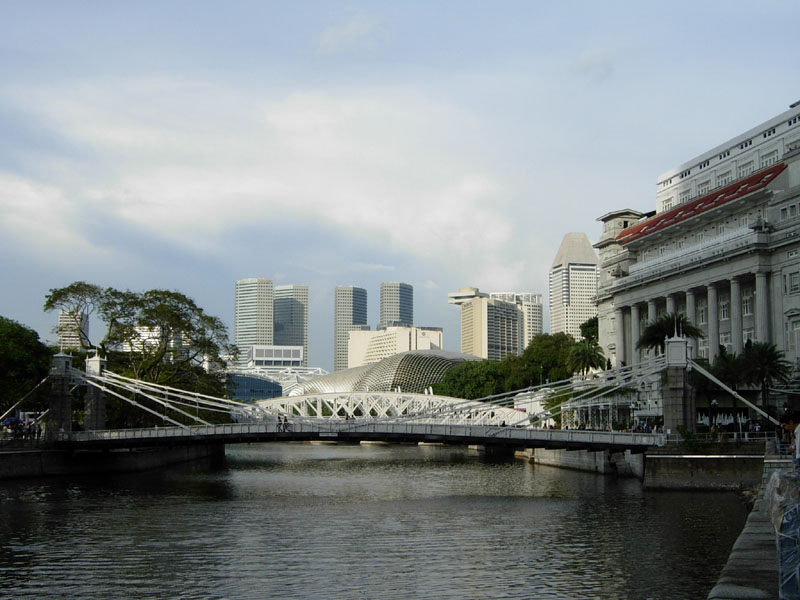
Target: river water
(334, 521)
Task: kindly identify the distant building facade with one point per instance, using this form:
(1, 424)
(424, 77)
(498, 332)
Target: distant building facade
(291, 317)
(253, 315)
(368, 347)
(490, 328)
(573, 285)
(397, 305)
(723, 248)
(349, 314)
(72, 325)
(532, 313)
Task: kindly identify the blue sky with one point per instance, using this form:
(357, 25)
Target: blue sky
(185, 145)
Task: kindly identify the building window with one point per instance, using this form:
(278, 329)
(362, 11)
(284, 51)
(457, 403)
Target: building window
(745, 169)
(784, 213)
(703, 187)
(794, 282)
(748, 335)
(724, 309)
(792, 211)
(720, 228)
(724, 178)
(684, 197)
(770, 158)
(725, 340)
(747, 304)
(702, 313)
(702, 348)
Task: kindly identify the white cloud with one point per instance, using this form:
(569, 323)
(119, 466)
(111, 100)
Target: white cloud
(41, 220)
(357, 31)
(375, 164)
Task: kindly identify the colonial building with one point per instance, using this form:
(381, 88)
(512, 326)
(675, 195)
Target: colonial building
(723, 248)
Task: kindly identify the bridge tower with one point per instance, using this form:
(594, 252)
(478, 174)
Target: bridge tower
(94, 417)
(59, 417)
(677, 397)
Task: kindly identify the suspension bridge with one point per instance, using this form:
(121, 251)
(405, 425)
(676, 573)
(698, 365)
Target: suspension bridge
(393, 416)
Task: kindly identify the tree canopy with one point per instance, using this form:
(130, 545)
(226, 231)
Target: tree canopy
(590, 329)
(667, 325)
(24, 361)
(586, 355)
(161, 336)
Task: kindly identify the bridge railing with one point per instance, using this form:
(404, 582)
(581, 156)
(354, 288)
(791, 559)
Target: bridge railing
(327, 428)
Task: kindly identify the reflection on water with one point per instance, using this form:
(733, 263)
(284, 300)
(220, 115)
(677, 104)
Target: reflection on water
(323, 521)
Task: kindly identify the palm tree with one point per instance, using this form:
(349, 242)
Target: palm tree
(585, 356)
(764, 365)
(667, 325)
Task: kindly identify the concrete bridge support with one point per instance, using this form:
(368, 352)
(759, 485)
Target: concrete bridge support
(59, 417)
(94, 417)
(678, 401)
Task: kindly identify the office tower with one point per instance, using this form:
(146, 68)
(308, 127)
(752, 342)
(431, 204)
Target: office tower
(291, 317)
(573, 285)
(531, 307)
(368, 347)
(253, 315)
(350, 314)
(397, 305)
(71, 327)
(490, 328)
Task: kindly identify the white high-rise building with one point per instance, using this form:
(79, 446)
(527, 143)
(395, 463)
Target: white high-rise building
(70, 326)
(253, 315)
(368, 347)
(531, 307)
(573, 285)
(397, 305)
(350, 314)
(490, 328)
(291, 318)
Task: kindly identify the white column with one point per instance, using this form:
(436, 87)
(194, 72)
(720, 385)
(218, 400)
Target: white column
(713, 324)
(619, 323)
(762, 308)
(634, 333)
(691, 314)
(651, 310)
(670, 303)
(736, 316)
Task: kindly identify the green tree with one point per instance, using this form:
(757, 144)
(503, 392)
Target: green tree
(590, 329)
(667, 325)
(551, 353)
(76, 299)
(24, 361)
(585, 356)
(472, 379)
(764, 365)
(160, 336)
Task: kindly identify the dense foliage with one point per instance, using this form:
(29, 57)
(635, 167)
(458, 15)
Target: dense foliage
(667, 325)
(24, 362)
(160, 336)
(545, 359)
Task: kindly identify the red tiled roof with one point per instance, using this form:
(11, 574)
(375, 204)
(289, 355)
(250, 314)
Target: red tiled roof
(737, 189)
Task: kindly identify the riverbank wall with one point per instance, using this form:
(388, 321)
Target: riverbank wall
(39, 462)
(723, 466)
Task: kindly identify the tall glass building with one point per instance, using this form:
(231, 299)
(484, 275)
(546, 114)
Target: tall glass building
(253, 315)
(350, 314)
(291, 317)
(397, 305)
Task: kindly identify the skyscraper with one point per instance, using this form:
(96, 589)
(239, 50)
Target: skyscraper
(531, 307)
(291, 317)
(573, 285)
(71, 327)
(350, 314)
(490, 328)
(253, 315)
(397, 305)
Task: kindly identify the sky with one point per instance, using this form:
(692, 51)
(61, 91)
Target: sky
(186, 144)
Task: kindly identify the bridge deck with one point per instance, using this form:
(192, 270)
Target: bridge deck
(354, 431)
